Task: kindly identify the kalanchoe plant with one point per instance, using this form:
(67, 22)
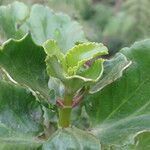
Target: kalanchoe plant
(71, 69)
(54, 70)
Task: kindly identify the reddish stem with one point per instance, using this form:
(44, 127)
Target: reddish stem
(60, 102)
(77, 100)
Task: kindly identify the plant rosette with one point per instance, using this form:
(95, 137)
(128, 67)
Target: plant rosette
(47, 70)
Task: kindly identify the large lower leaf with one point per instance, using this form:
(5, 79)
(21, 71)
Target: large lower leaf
(11, 20)
(44, 24)
(41, 22)
(121, 110)
(72, 139)
(20, 118)
(141, 142)
(25, 63)
(10, 140)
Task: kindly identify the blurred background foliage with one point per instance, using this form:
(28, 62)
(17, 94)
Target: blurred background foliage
(116, 23)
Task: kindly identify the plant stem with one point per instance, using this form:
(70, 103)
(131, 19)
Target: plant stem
(65, 112)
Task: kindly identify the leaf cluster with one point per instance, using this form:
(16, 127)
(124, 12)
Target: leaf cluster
(56, 56)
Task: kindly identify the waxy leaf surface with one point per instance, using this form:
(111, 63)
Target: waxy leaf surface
(25, 63)
(72, 139)
(121, 110)
(11, 20)
(49, 25)
(41, 22)
(141, 141)
(20, 118)
(113, 69)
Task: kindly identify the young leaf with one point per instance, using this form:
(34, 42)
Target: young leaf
(55, 60)
(81, 53)
(70, 68)
(52, 49)
(56, 87)
(121, 110)
(86, 77)
(54, 68)
(94, 72)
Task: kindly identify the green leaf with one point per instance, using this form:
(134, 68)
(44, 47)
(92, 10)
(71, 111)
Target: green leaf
(72, 139)
(51, 48)
(25, 63)
(20, 118)
(141, 142)
(10, 140)
(113, 70)
(121, 110)
(86, 77)
(21, 109)
(54, 68)
(94, 72)
(11, 20)
(81, 53)
(54, 56)
(70, 68)
(56, 89)
(48, 25)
